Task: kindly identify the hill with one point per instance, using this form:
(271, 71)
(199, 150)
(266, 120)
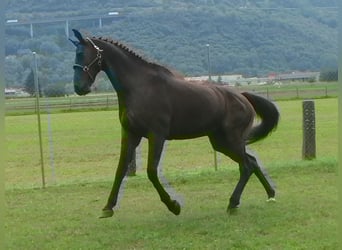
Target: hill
(246, 38)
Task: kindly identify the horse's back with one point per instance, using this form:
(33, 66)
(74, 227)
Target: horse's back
(198, 109)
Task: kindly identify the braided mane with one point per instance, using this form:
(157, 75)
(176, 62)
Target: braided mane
(134, 54)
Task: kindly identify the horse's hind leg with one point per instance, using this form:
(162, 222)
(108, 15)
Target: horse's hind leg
(262, 175)
(154, 153)
(245, 174)
(235, 149)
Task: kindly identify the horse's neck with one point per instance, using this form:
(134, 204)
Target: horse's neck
(119, 67)
(127, 72)
(114, 79)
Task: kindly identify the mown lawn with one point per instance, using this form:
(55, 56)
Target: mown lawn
(65, 217)
(85, 148)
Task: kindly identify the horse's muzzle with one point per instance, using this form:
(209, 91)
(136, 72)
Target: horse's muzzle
(81, 91)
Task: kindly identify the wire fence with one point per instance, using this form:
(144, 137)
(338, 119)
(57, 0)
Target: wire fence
(61, 104)
(109, 101)
(299, 93)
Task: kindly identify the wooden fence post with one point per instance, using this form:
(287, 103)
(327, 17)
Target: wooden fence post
(309, 130)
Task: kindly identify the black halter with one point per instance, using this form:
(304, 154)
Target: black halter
(97, 59)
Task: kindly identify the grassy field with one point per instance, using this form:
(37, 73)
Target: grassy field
(85, 153)
(65, 217)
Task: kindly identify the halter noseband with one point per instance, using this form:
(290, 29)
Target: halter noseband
(97, 59)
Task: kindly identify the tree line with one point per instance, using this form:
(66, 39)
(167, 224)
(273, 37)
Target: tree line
(252, 42)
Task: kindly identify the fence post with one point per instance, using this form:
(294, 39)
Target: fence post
(132, 166)
(37, 92)
(135, 163)
(215, 160)
(70, 104)
(309, 130)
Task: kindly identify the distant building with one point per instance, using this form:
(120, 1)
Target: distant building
(225, 79)
(295, 76)
(12, 92)
(271, 78)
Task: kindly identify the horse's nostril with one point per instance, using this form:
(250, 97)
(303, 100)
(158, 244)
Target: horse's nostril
(81, 91)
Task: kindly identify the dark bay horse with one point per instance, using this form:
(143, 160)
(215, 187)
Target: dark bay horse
(159, 105)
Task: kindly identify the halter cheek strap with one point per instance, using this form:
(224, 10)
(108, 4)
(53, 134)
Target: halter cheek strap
(97, 59)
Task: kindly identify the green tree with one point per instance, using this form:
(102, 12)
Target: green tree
(330, 75)
(54, 90)
(29, 83)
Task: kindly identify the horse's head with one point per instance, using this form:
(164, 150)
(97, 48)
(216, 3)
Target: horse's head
(87, 65)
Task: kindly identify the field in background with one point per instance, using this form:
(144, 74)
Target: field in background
(81, 151)
(83, 147)
(108, 101)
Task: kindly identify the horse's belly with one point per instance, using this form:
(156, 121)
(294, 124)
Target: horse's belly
(188, 129)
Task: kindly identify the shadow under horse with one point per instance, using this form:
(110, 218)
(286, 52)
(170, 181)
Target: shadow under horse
(158, 104)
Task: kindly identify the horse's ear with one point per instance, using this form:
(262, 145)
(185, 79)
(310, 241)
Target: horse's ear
(79, 36)
(76, 43)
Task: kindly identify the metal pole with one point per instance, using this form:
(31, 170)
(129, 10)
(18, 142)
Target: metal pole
(132, 166)
(100, 23)
(38, 117)
(51, 148)
(67, 28)
(2, 122)
(209, 76)
(209, 66)
(31, 30)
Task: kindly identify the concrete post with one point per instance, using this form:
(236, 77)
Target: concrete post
(309, 130)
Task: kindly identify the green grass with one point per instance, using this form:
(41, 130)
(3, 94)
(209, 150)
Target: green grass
(86, 149)
(65, 217)
(86, 145)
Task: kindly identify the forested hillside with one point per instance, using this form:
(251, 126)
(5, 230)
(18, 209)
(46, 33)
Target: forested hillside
(245, 37)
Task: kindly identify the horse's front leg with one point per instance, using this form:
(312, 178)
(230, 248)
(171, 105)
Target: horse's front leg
(155, 148)
(129, 142)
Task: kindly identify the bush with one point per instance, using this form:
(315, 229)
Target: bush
(54, 90)
(329, 75)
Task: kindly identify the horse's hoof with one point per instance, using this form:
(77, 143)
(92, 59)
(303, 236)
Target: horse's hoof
(175, 208)
(272, 199)
(233, 208)
(233, 205)
(106, 213)
(232, 211)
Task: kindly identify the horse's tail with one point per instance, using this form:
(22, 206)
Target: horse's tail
(268, 113)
